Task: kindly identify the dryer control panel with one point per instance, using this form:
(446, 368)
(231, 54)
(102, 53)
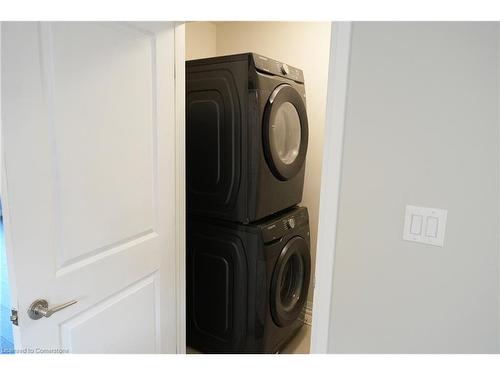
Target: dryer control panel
(280, 226)
(270, 66)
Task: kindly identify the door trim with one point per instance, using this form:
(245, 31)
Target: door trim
(180, 187)
(330, 185)
(6, 216)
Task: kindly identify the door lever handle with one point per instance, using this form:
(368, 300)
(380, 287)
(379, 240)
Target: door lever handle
(40, 309)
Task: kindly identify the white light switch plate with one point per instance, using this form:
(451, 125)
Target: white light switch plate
(425, 225)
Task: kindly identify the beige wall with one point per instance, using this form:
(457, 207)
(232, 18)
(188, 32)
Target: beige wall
(200, 40)
(305, 45)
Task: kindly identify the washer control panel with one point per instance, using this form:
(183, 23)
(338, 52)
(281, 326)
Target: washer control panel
(279, 227)
(284, 69)
(270, 66)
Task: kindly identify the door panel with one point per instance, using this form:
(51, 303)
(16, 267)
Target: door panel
(92, 72)
(78, 333)
(89, 137)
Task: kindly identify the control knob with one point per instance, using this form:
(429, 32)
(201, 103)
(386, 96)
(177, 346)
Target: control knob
(284, 69)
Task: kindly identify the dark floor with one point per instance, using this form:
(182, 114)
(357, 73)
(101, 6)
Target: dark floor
(298, 345)
(6, 340)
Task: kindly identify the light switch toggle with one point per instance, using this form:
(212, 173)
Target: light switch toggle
(416, 224)
(425, 225)
(431, 227)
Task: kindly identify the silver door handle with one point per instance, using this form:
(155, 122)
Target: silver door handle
(40, 309)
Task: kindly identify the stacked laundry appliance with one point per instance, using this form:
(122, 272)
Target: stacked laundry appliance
(248, 247)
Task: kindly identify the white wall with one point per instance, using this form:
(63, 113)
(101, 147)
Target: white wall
(200, 40)
(421, 128)
(301, 44)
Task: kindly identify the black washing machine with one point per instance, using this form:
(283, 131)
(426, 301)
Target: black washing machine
(246, 137)
(247, 284)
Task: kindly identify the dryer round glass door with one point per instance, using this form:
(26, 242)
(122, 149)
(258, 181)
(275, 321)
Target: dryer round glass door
(285, 132)
(290, 282)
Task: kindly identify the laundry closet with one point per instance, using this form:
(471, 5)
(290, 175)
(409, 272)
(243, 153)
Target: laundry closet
(255, 111)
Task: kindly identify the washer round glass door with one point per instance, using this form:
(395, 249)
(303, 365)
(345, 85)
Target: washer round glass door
(285, 132)
(290, 282)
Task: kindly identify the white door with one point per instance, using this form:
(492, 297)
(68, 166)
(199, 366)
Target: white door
(91, 184)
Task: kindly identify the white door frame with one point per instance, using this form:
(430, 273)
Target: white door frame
(6, 212)
(330, 185)
(180, 207)
(180, 178)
